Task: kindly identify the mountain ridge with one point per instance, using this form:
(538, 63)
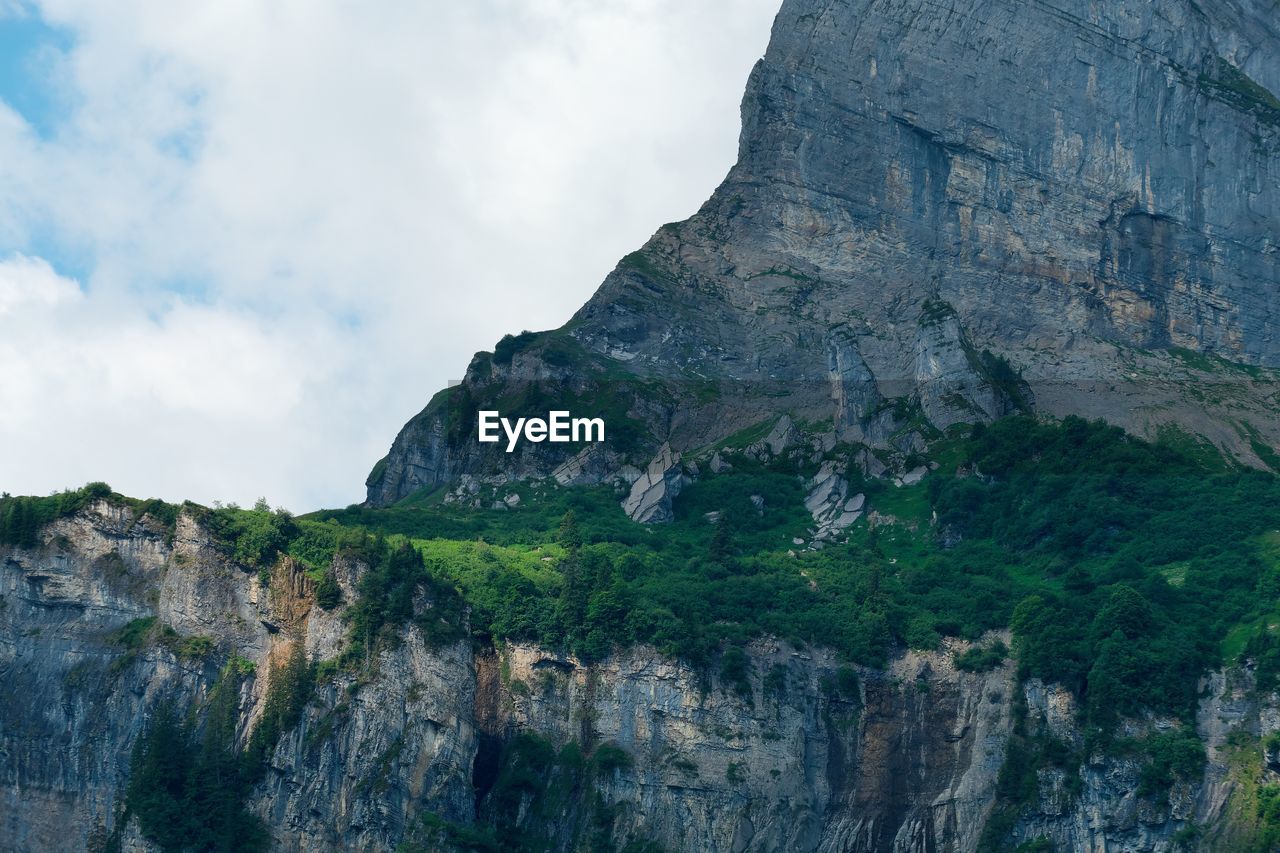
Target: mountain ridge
(1087, 202)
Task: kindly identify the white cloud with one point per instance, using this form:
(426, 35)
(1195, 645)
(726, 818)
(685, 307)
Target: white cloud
(92, 388)
(297, 220)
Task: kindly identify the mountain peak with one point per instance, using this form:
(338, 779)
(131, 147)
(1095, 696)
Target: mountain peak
(940, 214)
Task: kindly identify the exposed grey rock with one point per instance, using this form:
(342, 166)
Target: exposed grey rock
(782, 437)
(591, 465)
(853, 388)
(829, 503)
(811, 771)
(651, 495)
(915, 475)
(1084, 187)
(899, 766)
(870, 463)
(948, 383)
(363, 762)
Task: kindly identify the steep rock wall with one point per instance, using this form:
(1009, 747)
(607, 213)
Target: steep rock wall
(798, 754)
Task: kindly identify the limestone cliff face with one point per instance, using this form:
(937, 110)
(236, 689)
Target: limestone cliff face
(797, 755)
(905, 761)
(1086, 189)
(76, 699)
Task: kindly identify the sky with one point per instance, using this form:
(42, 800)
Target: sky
(241, 243)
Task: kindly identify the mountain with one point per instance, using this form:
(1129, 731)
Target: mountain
(931, 201)
(936, 511)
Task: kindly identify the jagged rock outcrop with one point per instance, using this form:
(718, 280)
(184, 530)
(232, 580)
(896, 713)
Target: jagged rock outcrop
(931, 199)
(829, 502)
(652, 493)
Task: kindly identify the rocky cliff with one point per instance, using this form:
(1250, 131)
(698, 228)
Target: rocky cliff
(796, 753)
(931, 199)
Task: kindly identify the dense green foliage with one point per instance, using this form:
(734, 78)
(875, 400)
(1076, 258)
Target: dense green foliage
(982, 658)
(1146, 556)
(256, 537)
(388, 594)
(186, 785)
(1120, 564)
(1268, 814)
(1123, 568)
(1171, 755)
(288, 693)
(22, 517)
(188, 779)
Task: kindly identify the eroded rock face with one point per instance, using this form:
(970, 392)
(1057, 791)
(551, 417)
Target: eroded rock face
(799, 755)
(361, 765)
(1080, 188)
(76, 700)
(794, 763)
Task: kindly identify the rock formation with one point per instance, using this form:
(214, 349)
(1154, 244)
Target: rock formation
(941, 212)
(804, 755)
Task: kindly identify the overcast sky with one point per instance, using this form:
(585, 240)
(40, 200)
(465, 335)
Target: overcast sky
(242, 242)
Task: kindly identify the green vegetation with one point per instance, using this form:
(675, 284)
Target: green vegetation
(288, 693)
(1210, 363)
(188, 781)
(377, 472)
(782, 272)
(997, 370)
(388, 591)
(934, 311)
(1030, 751)
(187, 786)
(138, 634)
(982, 658)
(506, 349)
(328, 593)
(1268, 814)
(1122, 568)
(256, 537)
(434, 834)
(1234, 87)
(538, 788)
(1253, 810)
(1119, 564)
(1169, 756)
(22, 517)
(641, 262)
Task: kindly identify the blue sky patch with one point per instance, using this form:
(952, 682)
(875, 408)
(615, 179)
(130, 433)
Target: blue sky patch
(29, 50)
